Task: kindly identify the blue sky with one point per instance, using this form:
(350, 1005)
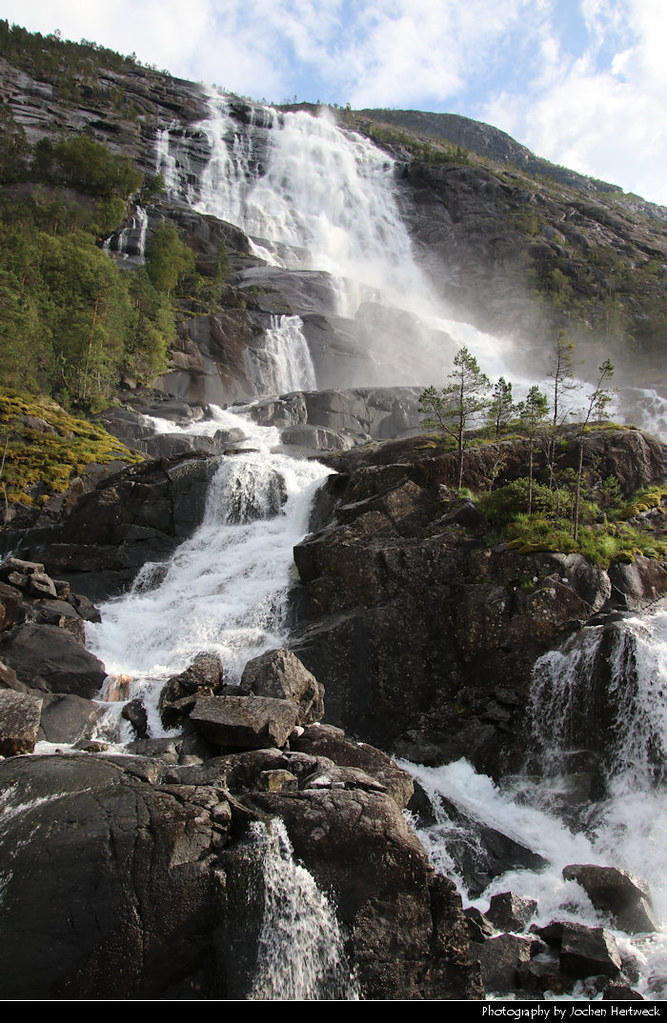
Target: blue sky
(581, 82)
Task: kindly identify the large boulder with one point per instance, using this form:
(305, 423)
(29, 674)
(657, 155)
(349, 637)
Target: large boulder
(281, 675)
(50, 659)
(133, 878)
(19, 722)
(624, 896)
(242, 722)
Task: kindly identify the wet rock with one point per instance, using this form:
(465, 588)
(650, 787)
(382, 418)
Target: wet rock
(479, 928)
(621, 993)
(389, 902)
(135, 712)
(68, 718)
(19, 722)
(500, 958)
(584, 951)
(510, 912)
(244, 722)
(49, 659)
(205, 676)
(329, 742)
(624, 896)
(281, 675)
(481, 853)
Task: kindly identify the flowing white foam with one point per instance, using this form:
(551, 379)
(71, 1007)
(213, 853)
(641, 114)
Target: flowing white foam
(301, 953)
(627, 829)
(284, 363)
(224, 591)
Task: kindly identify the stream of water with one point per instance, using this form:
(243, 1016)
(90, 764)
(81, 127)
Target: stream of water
(312, 196)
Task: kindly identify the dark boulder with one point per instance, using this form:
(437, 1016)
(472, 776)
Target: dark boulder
(510, 912)
(68, 718)
(624, 896)
(500, 958)
(19, 722)
(281, 675)
(203, 676)
(50, 659)
(407, 926)
(244, 722)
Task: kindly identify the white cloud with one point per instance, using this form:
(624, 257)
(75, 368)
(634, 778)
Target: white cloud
(596, 104)
(601, 112)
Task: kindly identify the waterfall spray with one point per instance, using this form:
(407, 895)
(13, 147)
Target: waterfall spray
(300, 946)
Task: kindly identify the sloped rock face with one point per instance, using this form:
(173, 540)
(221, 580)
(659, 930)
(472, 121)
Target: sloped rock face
(424, 637)
(167, 901)
(140, 514)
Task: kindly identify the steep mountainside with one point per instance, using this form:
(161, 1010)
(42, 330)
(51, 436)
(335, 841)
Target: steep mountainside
(508, 244)
(252, 301)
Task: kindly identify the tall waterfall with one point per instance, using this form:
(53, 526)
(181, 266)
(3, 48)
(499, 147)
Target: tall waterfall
(624, 826)
(311, 196)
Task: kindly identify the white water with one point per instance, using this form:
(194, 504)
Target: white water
(130, 242)
(284, 364)
(225, 589)
(627, 828)
(301, 953)
(312, 196)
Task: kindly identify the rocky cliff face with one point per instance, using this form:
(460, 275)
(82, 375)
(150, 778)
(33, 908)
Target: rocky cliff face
(490, 237)
(427, 635)
(423, 633)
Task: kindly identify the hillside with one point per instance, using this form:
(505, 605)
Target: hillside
(511, 243)
(224, 330)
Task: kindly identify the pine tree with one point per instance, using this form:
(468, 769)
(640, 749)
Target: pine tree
(598, 403)
(533, 413)
(454, 407)
(502, 409)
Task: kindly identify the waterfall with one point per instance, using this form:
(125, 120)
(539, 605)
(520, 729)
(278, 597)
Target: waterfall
(311, 196)
(225, 589)
(609, 686)
(301, 953)
(284, 363)
(604, 691)
(130, 242)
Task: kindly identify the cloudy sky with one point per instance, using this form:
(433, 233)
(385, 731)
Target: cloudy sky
(581, 82)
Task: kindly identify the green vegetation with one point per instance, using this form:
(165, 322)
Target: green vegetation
(72, 321)
(425, 150)
(454, 407)
(42, 447)
(560, 506)
(74, 68)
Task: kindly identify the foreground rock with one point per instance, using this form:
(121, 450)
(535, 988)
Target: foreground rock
(167, 901)
(624, 896)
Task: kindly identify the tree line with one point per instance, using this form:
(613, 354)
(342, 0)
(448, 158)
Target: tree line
(469, 397)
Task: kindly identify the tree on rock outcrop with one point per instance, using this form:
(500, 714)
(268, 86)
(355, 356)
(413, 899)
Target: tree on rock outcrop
(454, 407)
(598, 403)
(532, 413)
(502, 409)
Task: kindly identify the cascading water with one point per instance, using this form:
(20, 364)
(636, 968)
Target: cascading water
(311, 196)
(624, 728)
(301, 953)
(284, 363)
(130, 242)
(225, 590)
